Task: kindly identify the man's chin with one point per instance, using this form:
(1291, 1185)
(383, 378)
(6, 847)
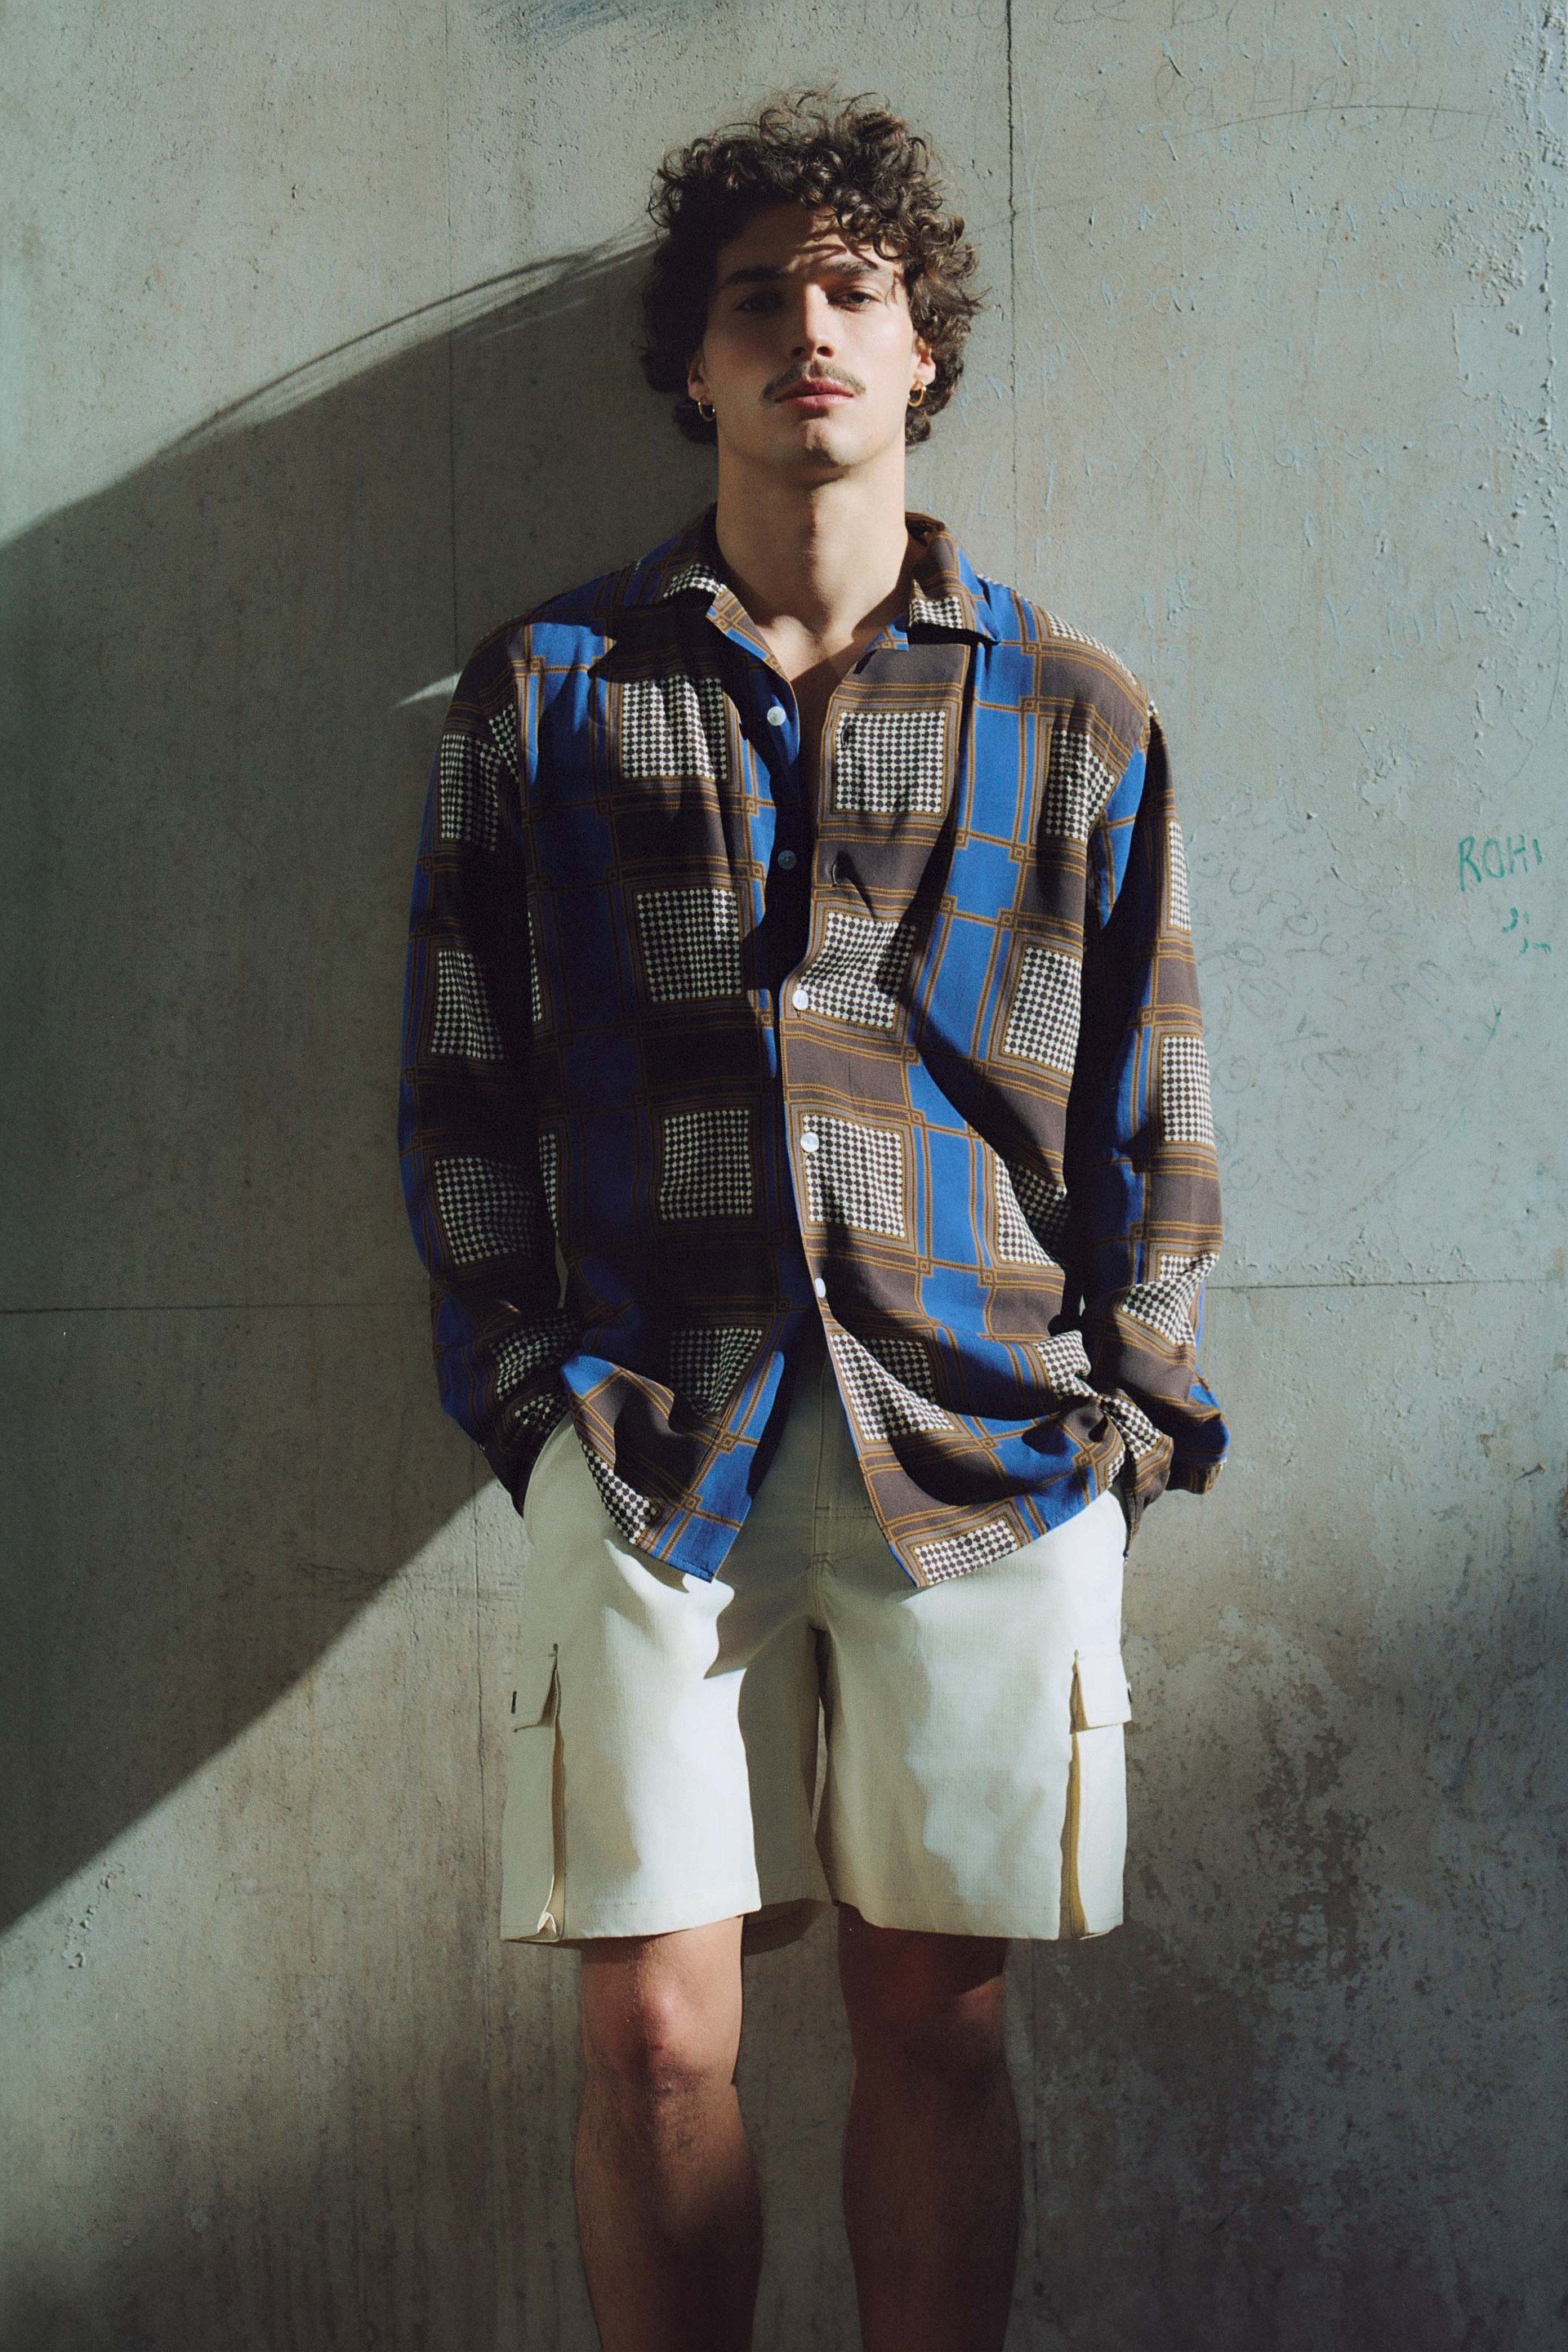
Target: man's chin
(819, 445)
(810, 450)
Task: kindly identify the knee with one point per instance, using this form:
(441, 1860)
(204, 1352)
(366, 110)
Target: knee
(926, 2004)
(650, 2037)
(956, 2044)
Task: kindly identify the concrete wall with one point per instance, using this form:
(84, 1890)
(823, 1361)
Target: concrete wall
(1266, 401)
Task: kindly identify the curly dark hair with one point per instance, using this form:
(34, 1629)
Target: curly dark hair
(852, 157)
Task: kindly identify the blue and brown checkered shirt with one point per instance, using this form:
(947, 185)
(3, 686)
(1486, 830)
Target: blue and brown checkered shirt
(691, 1068)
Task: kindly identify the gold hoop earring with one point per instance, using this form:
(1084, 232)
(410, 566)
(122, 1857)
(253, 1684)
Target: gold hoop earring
(917, 398)
(705, 410)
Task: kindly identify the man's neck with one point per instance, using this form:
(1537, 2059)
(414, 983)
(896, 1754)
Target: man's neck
(819, 567)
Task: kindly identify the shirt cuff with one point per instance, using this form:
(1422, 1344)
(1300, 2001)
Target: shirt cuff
(524, 1422)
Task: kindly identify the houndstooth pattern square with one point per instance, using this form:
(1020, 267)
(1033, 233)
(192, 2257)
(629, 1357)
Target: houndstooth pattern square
(691, 575)
(1045, 1206)
(1017, 1240)
(489, 1208)
(1065, 1361)
(468, 800)
(504, 735)
(854, 1174)
(675, 727)
(691, 943)
(1186, 1109)
(936, 611)
(889, 1390)
(1042, 1021)
(633, 1513)
(538, 1417)
(890, 762)
(1078, 785)
(1137, 1430)
(549, 1172)
(705, 1362)
(463, 1023)
(1078, 637)
(535, 986)
(707, 1163)
(549, 1339)
(859, 970)
(1178, 898)
(958, 1554)
(1168, 1305)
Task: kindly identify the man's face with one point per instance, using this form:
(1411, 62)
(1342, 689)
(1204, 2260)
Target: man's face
(809, 354)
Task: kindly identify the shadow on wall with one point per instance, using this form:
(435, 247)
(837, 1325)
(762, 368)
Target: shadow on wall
(217, 1333)
(1244, 2111)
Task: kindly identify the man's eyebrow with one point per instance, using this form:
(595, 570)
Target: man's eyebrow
(847, 265)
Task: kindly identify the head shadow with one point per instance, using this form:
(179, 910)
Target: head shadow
(225, 686)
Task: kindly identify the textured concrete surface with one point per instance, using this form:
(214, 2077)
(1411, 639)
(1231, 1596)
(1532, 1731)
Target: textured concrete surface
(317, 353)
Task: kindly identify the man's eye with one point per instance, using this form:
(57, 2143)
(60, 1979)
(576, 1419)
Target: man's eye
(768, 300)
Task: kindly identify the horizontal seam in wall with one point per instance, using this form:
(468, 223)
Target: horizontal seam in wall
(237, 1307)
(1409, 1282)
(372, 1305)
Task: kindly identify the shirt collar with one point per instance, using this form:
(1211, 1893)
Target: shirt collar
(945, 591)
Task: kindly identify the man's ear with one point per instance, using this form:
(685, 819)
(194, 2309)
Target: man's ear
(925, 366)
(696, 382)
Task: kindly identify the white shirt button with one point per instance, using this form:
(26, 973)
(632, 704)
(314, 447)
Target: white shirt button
(819, 1287)
(801, 999)
(787, 859)
(811, 1141)
(777, 714)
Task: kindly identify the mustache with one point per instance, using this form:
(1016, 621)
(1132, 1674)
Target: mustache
(815, 376)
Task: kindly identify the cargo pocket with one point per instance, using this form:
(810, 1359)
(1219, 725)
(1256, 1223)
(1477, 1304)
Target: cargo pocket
(532, 1903)
(1094, 1835)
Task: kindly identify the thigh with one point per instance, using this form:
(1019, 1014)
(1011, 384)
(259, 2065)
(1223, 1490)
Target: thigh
(975, 1781)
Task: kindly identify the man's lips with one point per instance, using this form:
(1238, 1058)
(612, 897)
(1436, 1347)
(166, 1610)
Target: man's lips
(810, 391)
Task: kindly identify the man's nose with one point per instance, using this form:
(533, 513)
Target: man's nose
(813, 324)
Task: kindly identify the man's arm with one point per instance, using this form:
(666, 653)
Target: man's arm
(1141, 1171)
(466, 1131)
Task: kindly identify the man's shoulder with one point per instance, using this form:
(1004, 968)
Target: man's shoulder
(1070, 664)
(562, 631)
(586, 611)
(571, 628)
(574, 622)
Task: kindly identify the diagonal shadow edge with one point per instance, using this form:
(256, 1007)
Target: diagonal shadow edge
(214, 783)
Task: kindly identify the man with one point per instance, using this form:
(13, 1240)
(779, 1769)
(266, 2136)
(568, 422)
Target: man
(806, 1124)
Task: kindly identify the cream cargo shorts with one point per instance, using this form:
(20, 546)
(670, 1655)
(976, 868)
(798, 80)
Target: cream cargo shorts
(664, 1765)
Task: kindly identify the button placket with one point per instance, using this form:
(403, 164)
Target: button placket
(798, 995)
(777, 717)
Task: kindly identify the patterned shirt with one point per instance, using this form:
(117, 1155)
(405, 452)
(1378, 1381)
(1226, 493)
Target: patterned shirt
(692, 1070)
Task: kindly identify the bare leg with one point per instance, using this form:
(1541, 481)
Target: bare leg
(668, 2210)
(932, 2167)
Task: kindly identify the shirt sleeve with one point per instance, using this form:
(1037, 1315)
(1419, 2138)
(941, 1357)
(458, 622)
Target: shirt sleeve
(473, 1178)
(1142, 1169)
